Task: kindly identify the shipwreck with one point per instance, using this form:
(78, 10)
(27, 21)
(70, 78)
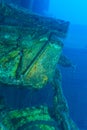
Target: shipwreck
(30, 48)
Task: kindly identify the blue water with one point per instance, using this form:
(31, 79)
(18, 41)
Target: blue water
(74, 82)
(75, 85)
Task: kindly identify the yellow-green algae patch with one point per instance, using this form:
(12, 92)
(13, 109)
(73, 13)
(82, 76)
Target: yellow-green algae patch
(29, 117)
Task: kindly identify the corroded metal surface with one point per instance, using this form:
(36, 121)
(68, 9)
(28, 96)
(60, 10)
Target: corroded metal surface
(26, 62)
(29, 47)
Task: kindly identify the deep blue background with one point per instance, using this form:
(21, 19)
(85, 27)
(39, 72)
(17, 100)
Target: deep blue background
(75, 85)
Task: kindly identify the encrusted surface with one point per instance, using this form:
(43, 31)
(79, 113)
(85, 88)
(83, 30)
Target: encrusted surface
(29, 47)
(29, 118)
(24, 61)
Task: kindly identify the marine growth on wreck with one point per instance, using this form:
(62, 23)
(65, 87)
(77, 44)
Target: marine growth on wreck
(30, 49)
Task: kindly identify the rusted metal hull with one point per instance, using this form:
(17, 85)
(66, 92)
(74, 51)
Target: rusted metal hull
(29, 47)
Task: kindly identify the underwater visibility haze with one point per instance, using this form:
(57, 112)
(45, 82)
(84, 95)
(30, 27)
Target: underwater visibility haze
(43, 65)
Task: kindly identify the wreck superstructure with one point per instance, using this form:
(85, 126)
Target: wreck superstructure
(30, 48)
